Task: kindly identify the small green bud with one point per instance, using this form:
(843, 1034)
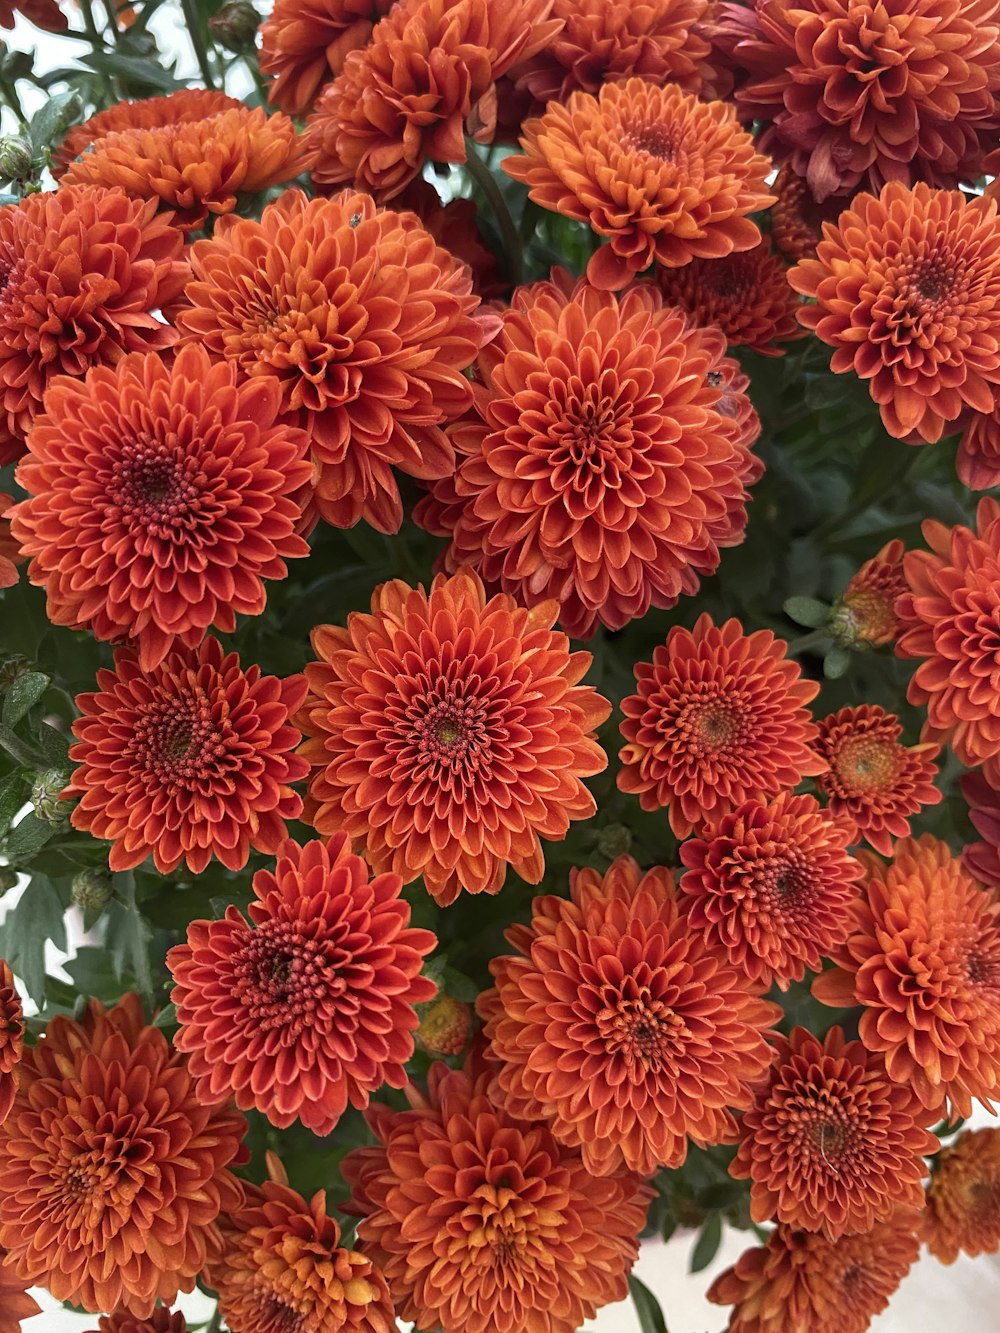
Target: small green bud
(235, 26)
(45, 796)
(16, 159)
(92, 889)
(614, 840)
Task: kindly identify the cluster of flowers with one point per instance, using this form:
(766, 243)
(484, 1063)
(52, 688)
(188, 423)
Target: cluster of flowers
(188, 392)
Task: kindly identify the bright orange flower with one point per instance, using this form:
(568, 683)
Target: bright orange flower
(15, 1303)
(619, 1028)
(160, 499)
(601, 466)
(982, 859)
(114, 1170)
(948, 618)
(506, 1230)
(720, 718)
(923, 960)
(160, 1321)
(861, 93)
(609, 41)
(190, 761)
(962, 1215)
(149, 113)
(907, 290)
(310, 1008)
(366, 323)
(865, 614)
(84, 271)
(977, 461)
(448, 734)
(424, 82)
(873, 781)
(196, 167)
(283, 1269)
(801, 1282)
(304, 43)
(665, 177)
(770, 887)
(10, 551)
(797, 216)
(746, 295)
(11, 1039)
(830, 1144)
(454, 226)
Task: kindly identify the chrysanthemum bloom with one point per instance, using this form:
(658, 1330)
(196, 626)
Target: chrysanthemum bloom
(797, 216)
(114, 1168)
(746, 295)
(860, 93)
(962, 1215)
(865, 614)
(770, 887)
(189, 761)
(719, 718)
(445, 1026)
(197, 167)
(10, 551)
(85, 270)
(801, 1282)
(873, 781)
(366, 323)
(304, 43)
(923, 960)
(977, 462)
(11, 1038)
(620, 1028)
(665, 177)
(149, 113)
(454, 225)
(907, 290)
(15, 1303)
(283, 1270)
(982, 859)
(160, 1321)
(424, 82)
(598, 467)
(604, 42)
(448, 734)
(505, 1229)
(948, 618)
(830, 1144)
(308, 1009)
(160, 499)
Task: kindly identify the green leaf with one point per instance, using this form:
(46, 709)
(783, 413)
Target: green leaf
(20, 751)
(147, 72)
(808, 611)
(458, 986)
(25, 692)
(37, 917)
(647, 1307)
(53, 745)
(836, 662)
(12, 797)
(28, 837)
(48, 123)
(167, 1017)
(128, 935)
(707, 1245)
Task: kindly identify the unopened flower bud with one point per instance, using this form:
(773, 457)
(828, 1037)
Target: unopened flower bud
(45, 792)
(235, 26)
(8, 879)
(614, 840)
(445, 1026)
(92, 889)
(12, 669)
(16, 159)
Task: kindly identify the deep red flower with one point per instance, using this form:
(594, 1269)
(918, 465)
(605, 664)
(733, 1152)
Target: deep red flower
(982, 859)
(190, 761)
(797, 216)
(962, 1215)
(308, 1009)
(44, 14)
(11, 1038)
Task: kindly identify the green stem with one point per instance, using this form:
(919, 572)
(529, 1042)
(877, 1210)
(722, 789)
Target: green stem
(215, 1323)
(97, 42)
(808, 641)
(486, 181)
(8, 93)
(198, 43)
(254, 71)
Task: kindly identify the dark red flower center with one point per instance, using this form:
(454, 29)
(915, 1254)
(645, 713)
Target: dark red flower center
(452, 734)
(180, 741)
(643, 1030)
(712, 725)
(868, 764)
(659, 141)
(157, 485)
(284, 980)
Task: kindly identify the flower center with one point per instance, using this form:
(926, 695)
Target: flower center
(179, 742)
(450, 733)
(714, 725)
(865, 765)
(284, 980)
(656, 140)
(497, 1223)
(983, 1202)
(643, 1031)
(155, 485)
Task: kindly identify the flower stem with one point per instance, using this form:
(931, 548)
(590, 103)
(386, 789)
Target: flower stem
(198, 43)
(215, 1323)
(484, 178)
(808, 641)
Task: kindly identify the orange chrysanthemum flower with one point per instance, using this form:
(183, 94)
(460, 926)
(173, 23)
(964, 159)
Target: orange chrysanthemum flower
(948, 617)
(10, 551)
(15, 1303)
(114, 1169)
(310, 1008)
(873, 781)
(801, 1282)
(665, 177)
(506, 1230)
(190, 761)
(865, 615)
(770, 887)
(11, 1038)
(448, 734)
(425, 81)
(602, 42)
(304, 43)
(283, 1268)
(366, 323)
(720, 718)
(977, 462)
(962, 1215)
(455, 227)
(150, 113)
(161, 498)
(194, 166)
(601, 466)
(160, 1321)
(865, 93)
(830, 1144)
(797, 216)
(923, 960)
(907, 290)
(982, 859)
(618, 1027)
(85, 271)
(746, 295)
